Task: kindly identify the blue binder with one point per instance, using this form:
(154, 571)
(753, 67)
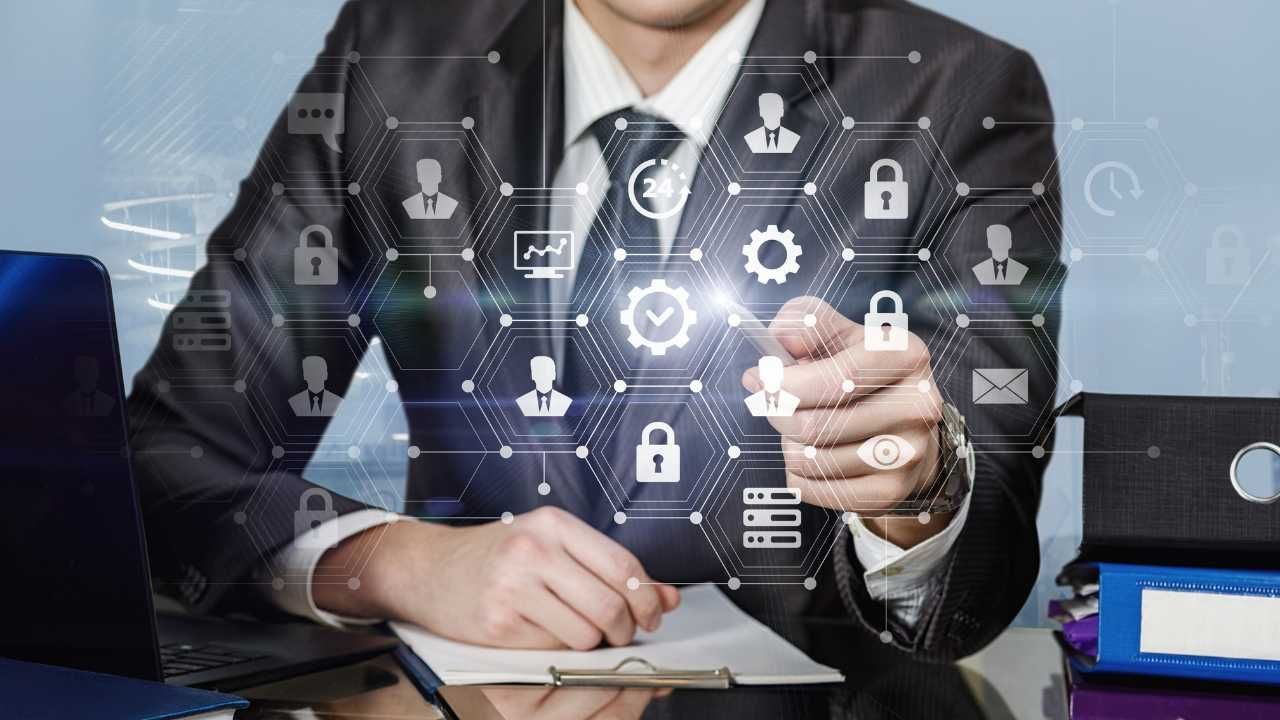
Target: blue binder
(29, 691)
(1126, 590)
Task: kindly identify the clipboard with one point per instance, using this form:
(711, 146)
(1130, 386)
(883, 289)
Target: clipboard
(648, 676)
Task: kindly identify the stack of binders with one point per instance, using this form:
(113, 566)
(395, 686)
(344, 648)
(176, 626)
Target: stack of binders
(1175, 596)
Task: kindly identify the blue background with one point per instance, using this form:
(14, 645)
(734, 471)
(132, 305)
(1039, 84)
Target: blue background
(110, 101)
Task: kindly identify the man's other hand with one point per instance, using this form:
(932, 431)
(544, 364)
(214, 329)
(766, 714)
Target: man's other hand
(546, 580)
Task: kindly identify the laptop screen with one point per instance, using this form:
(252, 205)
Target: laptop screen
(76, 590)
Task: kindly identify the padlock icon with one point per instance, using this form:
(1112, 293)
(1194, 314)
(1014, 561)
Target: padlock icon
(657, 463)
(1228, 260)
(885, 331)
(885, 199)
(311, 528)
(312, 264)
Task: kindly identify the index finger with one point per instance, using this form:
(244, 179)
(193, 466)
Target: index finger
(619, 569)
(826, 332)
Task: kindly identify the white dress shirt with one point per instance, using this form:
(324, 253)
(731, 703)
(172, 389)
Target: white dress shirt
(596, 84)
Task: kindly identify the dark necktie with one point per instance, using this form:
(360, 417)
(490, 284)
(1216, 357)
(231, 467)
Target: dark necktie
(646, 137)
(317, 401)
(772, 143)
(1000, 268)
(429, 201)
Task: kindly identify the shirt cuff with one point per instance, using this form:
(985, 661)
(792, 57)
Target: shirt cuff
(293, 568)
(898, 577)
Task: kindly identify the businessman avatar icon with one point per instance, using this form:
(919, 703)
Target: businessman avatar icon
(429, 203)
(1000, 269)
(772, 400)
(315, 400)
(543, 400)
(772, 138)
(87, 400)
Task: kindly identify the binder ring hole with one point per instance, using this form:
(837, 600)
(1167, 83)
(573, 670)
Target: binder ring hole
(1255, 473)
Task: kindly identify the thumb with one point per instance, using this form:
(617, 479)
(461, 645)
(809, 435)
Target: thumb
(809, 328)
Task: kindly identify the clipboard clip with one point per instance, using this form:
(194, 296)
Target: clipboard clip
(647, 676)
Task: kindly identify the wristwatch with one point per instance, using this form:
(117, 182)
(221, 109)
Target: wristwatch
(956, 469)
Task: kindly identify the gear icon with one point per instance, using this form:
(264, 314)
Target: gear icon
(752, 251)
(688, 316)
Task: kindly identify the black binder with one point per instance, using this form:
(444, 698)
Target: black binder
(1158, 482)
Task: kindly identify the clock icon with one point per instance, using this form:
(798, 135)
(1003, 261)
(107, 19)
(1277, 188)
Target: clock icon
(1110, 172)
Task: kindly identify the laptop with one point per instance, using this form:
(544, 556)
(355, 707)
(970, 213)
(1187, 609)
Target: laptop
(77, 586)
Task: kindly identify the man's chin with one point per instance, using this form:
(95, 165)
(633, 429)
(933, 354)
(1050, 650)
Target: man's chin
(665, 14)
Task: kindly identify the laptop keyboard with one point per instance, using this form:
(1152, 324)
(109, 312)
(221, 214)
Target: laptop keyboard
(182, 658)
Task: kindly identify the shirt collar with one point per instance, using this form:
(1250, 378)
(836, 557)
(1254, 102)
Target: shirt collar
(596, 83)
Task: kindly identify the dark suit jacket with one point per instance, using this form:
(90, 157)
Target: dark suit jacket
(214, 516)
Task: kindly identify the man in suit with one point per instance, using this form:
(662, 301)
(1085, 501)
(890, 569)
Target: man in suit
(771, 400)
(543, 400)
(315, 400)
(576, 94)
(771, 138)
(1000, 269)
(430, 203)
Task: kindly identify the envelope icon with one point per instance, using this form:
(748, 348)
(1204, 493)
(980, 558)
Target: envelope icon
(1000, 386)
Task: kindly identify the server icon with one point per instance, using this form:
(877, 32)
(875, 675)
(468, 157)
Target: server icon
(770, 507)
(202, 322)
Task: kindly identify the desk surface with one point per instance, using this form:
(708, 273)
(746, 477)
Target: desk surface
(1018, 676)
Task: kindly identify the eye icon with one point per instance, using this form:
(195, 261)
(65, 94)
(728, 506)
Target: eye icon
(886, 452)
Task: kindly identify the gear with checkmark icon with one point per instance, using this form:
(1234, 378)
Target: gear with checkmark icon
(688, 316)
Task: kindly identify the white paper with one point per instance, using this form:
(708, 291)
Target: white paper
(1243, 627)
(706, 632)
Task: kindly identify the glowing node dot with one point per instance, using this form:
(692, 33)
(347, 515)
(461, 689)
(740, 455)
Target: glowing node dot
(1037, 452)
(886, 637)
(924, 254)
(1076, 386)
(1077, 123)
(239, 254)
(353, 583)
(695, 517)
(620, 123)
(734, 188)
(197, 452)
(239, 517)
(1077, 254)
(619, 518)
(277, 583)
(633, 583)
(277, 320)
(810, 57)
(962, 189)
(913, 57)
(429, 292)
(1037, 320)
(468, 123)
(848, 254)
(392, 254)
(620, 386)
(506, 189)
(468, 386)
(277, 452)
(353, 452)
(988, 122)
(353, 188)
(508, 518)
(1153, 452)
(695, 254)
(392, 386)
(962, 320)
(468, 254)
(810, 583)
(1037, 189)
(923, 386)
(924, 517)
(238, 386)
(505, 452)
(581, 188)
(393, 123)
(581, 320)
(810, 188)
(734, 451)
(1152, 254)
(505, 320)
(734, 320)
(582, 452)
(924, 123)
(494, 57)
(414, 452)
(544, 489)
(734, 583)
(848, 386)
(810, 452)
(619, 254)
(353, 320)
(810, 320)
(847, 122)
(695, 386)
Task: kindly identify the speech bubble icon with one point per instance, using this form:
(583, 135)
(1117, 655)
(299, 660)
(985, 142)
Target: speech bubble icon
(322, 114)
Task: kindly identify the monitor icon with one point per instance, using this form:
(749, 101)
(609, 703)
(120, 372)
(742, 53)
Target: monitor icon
(544, 254)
